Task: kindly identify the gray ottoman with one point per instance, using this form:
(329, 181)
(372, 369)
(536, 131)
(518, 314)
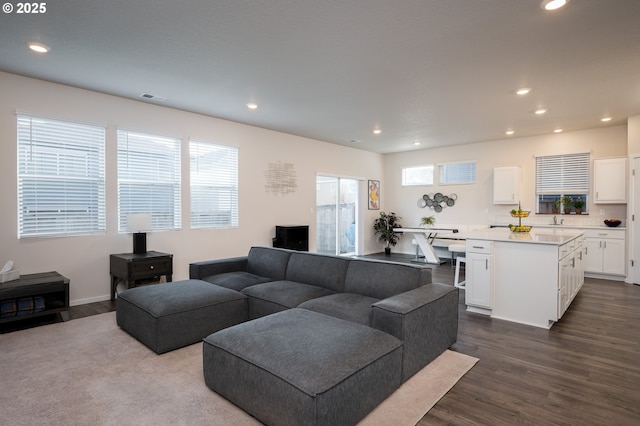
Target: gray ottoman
(172, 315)
(300, 367)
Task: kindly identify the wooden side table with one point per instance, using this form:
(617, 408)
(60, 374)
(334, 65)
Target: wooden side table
(130, 268)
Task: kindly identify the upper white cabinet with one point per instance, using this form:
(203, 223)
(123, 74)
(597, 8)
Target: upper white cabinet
(506, 185)
(610, 181)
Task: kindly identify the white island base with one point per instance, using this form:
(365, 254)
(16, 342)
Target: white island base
(528, 278)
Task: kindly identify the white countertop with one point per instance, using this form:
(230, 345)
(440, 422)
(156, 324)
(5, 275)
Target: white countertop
(535, 236)
(550, 225)
(580, 227)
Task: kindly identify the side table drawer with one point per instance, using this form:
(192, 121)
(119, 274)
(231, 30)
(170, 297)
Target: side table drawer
(151, 268)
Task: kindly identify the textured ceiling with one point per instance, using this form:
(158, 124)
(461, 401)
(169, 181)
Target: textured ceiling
(434, 71)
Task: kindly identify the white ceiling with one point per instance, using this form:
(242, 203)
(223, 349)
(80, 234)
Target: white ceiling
(439, 72)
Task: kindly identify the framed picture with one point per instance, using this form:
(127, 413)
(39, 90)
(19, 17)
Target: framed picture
(374, 195)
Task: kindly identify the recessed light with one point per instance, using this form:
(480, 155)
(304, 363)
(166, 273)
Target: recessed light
(557, 131)
(605, 119)
(377, 131)
(509, 132)
(416, 143)
(523, 91)
(553, 4)
(252, 105)
(354, 141)
(540, 111)
(39, 47)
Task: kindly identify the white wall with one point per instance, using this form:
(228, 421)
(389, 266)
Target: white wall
(474, 204)
(85, 259)
(633, 133)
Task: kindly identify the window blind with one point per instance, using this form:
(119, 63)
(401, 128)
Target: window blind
(563, 174)
(457, 173)
(214, 185)
(61, 178)
(149, 179)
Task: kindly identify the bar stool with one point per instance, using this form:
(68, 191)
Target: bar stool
(457, 252)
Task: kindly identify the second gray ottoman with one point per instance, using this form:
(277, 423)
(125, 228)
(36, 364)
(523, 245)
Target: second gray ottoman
(171, 315)
(300, 367)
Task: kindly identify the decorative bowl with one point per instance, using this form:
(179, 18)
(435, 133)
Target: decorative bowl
(519, 228)
(612, 222)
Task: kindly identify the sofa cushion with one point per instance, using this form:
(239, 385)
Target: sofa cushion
(303, 368)
(168, 316)
(319, 270)
(383, 279)
(276, 296)
(268, 262)
(346, 306)
(236, 280)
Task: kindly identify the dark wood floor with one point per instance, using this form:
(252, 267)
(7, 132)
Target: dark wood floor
(585, 370)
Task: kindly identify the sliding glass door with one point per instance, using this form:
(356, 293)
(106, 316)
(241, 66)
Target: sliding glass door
(337, 213)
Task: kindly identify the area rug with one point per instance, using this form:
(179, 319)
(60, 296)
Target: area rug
(90, 372)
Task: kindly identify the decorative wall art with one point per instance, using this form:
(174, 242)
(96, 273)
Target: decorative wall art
(374, 195)
(281, 178)
(437, 201)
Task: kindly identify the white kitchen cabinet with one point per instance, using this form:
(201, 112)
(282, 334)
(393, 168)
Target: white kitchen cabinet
(571, 273)
(610, 181)
(519, 276)
(605, 252)
(478, 274)
(506, 185)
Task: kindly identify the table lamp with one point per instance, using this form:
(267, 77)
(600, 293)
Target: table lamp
(139, 224)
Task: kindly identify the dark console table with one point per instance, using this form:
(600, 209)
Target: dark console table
(134, 268)
(50, 286)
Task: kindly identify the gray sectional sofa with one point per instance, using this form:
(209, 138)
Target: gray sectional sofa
(299, 338)
(397, 299)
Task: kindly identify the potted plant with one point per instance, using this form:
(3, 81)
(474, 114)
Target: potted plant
(578, 203)
(383, 226)
(428, 221)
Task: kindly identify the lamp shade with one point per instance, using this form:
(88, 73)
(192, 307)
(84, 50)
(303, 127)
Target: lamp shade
(139, 222)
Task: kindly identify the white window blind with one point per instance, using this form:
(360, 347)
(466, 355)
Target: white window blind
(563, 174)
(419, 175)
(61, 178)
(457, 173)
(149, 179)
(214, 185)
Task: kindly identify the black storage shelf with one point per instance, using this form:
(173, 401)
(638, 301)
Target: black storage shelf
(51, 286)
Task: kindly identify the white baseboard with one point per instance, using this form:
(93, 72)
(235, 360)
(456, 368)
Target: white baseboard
(89, 300)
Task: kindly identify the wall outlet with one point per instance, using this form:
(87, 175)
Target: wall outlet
(602, 212)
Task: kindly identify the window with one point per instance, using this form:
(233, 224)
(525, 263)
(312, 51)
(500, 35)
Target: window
(420, 175)
(61, 178)
(457, 173)
(562, 182)
(214, 185)
(149, 179)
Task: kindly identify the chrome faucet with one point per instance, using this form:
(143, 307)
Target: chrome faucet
(555, 220)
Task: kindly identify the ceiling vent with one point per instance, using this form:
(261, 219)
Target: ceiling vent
(151, 97)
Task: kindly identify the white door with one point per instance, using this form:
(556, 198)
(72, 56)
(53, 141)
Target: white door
(337, 215)
(632, 222)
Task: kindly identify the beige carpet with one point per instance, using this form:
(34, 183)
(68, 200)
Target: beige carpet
(89, 372)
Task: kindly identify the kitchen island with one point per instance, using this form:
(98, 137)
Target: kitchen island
(529, 277)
